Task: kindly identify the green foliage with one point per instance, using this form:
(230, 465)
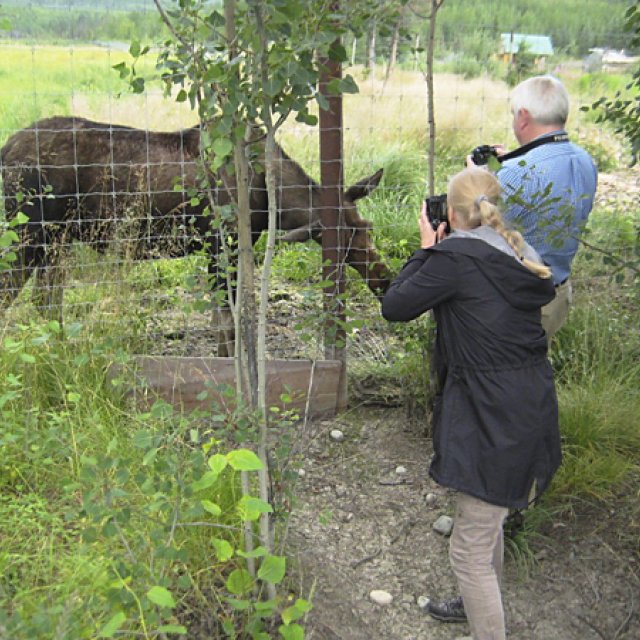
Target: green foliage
(594, 83)
(80, 24)
(623, 110)
(572, 27)
(117, 511)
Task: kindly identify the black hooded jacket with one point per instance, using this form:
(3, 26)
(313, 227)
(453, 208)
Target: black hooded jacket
(495, 427)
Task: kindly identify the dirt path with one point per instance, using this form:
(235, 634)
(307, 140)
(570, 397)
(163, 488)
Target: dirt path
(359, 525)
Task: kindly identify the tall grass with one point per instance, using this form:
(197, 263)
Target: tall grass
(597, 361)
(92, 488)
(41, 81)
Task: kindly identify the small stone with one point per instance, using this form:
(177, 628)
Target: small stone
(423, 602)
(337, 435)
(400, 470)
(381, 597)
(431, 498)
(443, 525)
(302, 473)
(341, 491)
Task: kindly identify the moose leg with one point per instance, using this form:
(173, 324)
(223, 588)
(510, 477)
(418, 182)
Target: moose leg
(48, 290)
(221, 317)
(13, 280)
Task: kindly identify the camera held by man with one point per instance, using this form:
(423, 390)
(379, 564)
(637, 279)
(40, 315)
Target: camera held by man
(482, 153)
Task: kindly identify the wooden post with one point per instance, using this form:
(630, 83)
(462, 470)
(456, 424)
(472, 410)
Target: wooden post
(332, 217)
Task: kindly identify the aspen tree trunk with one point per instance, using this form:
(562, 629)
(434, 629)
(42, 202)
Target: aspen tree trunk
(245, 345)
(266, 525)
(393, 55)
(435, 5)
(431, 338)
(371, 51)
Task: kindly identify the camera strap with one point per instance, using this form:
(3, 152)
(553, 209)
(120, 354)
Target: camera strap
(525, 148)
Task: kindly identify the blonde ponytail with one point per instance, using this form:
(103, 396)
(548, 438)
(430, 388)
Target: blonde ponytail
(473, 194)
(490, 215)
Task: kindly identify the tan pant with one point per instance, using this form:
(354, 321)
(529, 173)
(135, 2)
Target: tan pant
(476, 552)
(555, 314)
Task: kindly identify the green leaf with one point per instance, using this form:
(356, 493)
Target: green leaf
(211, 507)
(244, 460)
(161, 409)
(149, 456)
(109, 629)
(173, 628)
(238, 605)
(222, 147)
(239, 582)
(272, 569)
(135, 49)
(162, 597)
(337, 52)
(137, 85)
(224, 550)
(8, 238)
(250, 508)
(20, 218)
(207, 480)
(258, 552)
(217, 463)
(296, 611)
(121, 68)
(291, 632)
(348, 85)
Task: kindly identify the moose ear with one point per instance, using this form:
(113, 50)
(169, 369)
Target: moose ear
(311, 231)
(364, 187)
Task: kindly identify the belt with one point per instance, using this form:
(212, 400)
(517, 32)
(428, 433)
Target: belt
(563, 282)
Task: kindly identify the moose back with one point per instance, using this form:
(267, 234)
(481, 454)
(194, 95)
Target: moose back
(98, 183)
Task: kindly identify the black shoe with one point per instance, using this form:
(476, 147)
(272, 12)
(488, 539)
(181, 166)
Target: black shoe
(447, 610)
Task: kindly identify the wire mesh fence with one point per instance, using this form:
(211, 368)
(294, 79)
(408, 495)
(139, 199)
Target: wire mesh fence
(117, 239)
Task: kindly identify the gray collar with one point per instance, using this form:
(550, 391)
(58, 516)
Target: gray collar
(491, 236)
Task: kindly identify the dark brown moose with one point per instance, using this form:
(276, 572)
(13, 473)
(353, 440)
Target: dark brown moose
(98, 183)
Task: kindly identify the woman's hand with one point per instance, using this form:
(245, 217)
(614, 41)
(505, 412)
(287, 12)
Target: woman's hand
(429, 237)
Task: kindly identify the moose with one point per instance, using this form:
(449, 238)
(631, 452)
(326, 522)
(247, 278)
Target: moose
(99, 183)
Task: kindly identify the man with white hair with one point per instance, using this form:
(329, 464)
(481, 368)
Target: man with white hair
(549, 184)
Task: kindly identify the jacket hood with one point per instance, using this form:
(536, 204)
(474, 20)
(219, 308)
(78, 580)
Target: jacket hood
(522, 288)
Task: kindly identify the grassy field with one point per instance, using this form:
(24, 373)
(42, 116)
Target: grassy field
(105, 509)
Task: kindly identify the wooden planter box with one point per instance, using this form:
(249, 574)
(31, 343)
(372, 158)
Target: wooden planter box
(312, 385)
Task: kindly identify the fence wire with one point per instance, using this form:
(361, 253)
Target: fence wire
(102, 250)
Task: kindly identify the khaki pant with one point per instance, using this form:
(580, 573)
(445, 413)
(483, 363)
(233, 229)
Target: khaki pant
(555, 314)
(476, 552)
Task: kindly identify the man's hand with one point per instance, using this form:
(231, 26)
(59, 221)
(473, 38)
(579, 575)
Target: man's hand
(499, 149)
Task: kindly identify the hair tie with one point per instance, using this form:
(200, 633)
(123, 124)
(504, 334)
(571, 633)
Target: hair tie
(479, 199)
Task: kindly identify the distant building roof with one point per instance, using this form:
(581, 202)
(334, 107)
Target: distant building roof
(538, 45)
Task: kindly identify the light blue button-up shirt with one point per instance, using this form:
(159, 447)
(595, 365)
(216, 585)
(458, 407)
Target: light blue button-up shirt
(548, 195)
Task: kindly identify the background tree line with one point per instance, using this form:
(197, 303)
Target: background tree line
(466, 28)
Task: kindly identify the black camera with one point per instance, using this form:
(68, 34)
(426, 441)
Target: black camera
(437, 212)
(480, 155)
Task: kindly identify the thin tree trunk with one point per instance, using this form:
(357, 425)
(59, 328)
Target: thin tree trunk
(246, 369)
(266, 522)
(393, 55)
(435, 5)
(371, 51)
